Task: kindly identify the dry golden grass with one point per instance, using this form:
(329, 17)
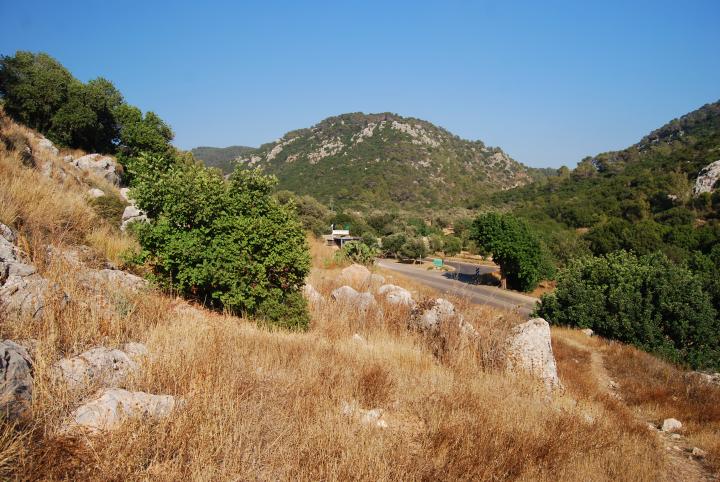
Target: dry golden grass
(266, 404)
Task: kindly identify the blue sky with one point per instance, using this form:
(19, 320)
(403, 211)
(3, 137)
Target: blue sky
(548, 81)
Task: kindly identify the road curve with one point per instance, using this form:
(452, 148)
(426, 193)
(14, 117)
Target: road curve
(458, 284)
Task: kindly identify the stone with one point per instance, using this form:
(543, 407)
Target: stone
(439, 312)
(707, 180)
(530, 349)
(587, 332)
(396, 295)
(359, 275)
(125, 194)
(312, 295)
(16, 379)
(698, 452)
(23, 291)
(95, 193)
(671, 425)
(363, 302)
(99, 366)
(132, 214)
(111, 407)
(90, 279)
(676, 436)
(47, 146)
(103, 166)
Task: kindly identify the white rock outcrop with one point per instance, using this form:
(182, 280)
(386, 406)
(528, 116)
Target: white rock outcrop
(530, 349)
(396, 295)
(360, 276)
(707, 180)
(363, 302)
(16, 379)
(46, 145)
(671, 425)
(132, 213)
(111, 407)
(107, 367)
(440, 311)
(103, 166)
(93, 278)
(23, 291)
(312, 295)
(95, 193)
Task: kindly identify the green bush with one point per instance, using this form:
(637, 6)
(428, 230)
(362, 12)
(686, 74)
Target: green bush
(515, 248)
(646, 301)
(109, 207)
(452, 245)
(414, 248)
(228, 244)
(391, 245)
(358, 252)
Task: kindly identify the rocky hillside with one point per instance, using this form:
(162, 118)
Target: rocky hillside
(224, 158)
(386, 160)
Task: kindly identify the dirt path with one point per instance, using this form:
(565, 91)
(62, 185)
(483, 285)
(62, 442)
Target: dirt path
(682, 466)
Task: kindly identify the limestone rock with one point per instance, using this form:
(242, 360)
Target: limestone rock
(360, 301)
(397, 295)
(95, 193)
(698, 452)
(530, 350)
(440, 311)
(671, 425)
(90, 279)
(111, 407)
(360, 276)
(23, 291)
(707, 180)
(587, 332)
(103, 366)
(104, 166)
(16, 379)
(132, 214)
(47, 146)
(312, 295)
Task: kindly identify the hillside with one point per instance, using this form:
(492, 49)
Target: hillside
(385, 160)
(223, 158)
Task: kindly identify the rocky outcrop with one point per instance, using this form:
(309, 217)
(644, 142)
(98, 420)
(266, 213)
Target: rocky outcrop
(46, 145)
(530, 350)
(103, 166)
(396, 295)
(671, 425)
(23, 291)
(359, 275)
(101, 366)
(111, 407)
(92, 278)
(16, 379)
(312, 295)
(429, 316)
(707, 180)
(362, 302)
(95, 193)
(131, 214)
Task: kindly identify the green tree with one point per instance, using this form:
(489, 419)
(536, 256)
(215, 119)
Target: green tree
(33, 87)
(413, 248)
(647, 301)
(229, 244)
(453, 245)
(393, 243)
(139, 134)
(515, 248)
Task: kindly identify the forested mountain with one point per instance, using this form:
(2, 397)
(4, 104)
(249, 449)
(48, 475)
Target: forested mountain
(371, 160)
(224, 158)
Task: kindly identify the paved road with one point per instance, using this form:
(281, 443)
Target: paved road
(460, 283)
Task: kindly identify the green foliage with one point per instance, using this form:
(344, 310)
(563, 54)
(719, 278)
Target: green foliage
(452, 245)
(358, 252)
(313, 215)
(223, 158)
(229, 244)
(514, 247)
(647, 301)
(413, 248)
(436, 242)
(391, 245)
(109, 207)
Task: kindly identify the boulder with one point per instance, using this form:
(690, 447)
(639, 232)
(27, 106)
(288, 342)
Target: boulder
(90, 279)
(440, 311)
(46, 145)
(103, 366)
(360, 301)
(95, 193)
(132, 214)
(111, 407)
(23, 291)
(671, 425)
(103, 166)
(530, 350)
(16, 379)
(587, 332)
(312, 295)
(359, 276)
(396, 295)
(707, 180)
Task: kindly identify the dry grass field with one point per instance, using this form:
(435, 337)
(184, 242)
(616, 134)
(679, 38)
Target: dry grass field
(263, 404)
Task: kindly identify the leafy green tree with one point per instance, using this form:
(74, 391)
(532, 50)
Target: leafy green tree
(647, 301)
(33, 87)
(87, 120)
(229, 244)
(514, 247)
(413, 248)
(452, 245)
(436, 243)
(139, 134)
(392, 244)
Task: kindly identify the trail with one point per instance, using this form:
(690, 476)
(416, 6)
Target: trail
(681, 465)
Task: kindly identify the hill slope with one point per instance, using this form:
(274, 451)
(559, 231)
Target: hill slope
(386, 160)
(224, 158)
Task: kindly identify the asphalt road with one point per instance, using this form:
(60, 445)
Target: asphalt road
(462, 283)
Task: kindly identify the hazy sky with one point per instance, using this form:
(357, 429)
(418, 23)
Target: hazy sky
(548, 81)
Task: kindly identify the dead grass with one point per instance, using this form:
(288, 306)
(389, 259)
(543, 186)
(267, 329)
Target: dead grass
(264, 404)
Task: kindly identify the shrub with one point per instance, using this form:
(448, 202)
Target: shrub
(391, 245)
(452, 245)
(358, 252)
(514, 247)
(413, 248)
(109, 207)
(228, 244)
(646, 301)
